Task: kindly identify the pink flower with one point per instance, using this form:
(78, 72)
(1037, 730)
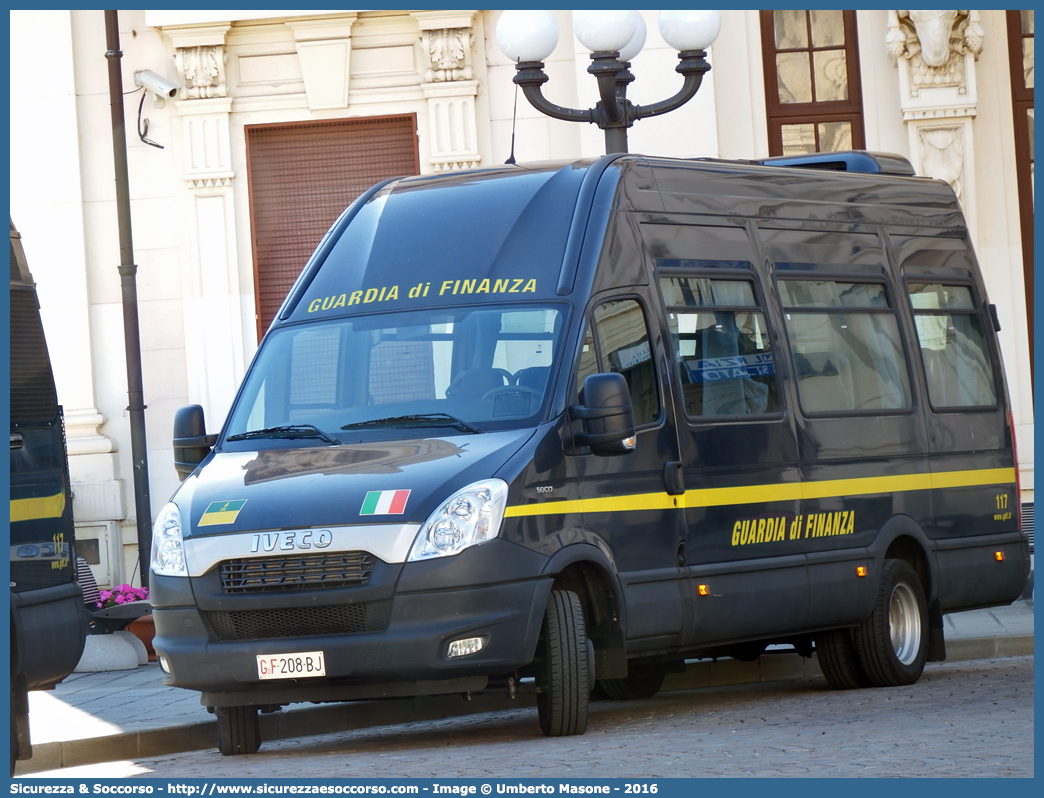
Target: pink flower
(122, 594)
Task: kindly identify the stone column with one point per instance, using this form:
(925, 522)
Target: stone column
(211, 291)
(935, 52)
(450, 89)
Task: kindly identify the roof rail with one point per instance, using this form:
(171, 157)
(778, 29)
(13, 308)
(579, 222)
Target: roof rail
(884, 163)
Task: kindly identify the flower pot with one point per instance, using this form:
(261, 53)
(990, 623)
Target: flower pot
(144, 628)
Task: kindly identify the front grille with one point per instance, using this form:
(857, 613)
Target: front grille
(343, 619)
(1027, 522)
(296, 572)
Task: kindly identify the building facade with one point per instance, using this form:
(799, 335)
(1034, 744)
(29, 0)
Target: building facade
(284, 117)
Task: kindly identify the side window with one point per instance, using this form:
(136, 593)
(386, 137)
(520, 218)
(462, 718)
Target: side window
(953, 346)
(623, 344)
(721, 347)
(844, 339)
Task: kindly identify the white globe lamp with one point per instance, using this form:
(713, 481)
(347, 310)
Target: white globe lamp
(689, 30)
(527, 35)
(604, 31)
(633, 47)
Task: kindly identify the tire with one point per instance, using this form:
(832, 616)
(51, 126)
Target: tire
(892, 644)
(563, 690)
(839, 661)
(239, 730)
(643, 681)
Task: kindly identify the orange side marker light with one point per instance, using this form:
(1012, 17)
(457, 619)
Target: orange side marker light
(998, 556)
(861, 570)
(703, 590)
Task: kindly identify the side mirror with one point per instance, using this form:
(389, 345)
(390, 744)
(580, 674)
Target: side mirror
(191, 442)
(606, 414)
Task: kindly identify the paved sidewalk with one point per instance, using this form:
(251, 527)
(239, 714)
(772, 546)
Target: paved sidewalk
(118, 715)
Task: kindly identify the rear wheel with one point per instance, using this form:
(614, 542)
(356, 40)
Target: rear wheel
(239, 730)
(839, 661)
(643, 681)
(563, 690)
(892, 643)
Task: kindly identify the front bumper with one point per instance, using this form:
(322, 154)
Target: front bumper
(432, 604)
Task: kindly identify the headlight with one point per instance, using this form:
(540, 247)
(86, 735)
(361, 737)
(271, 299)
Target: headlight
(470, 516)
(168, 548)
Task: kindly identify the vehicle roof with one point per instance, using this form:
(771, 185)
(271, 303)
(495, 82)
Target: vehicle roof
(433, 235)
(718, 186)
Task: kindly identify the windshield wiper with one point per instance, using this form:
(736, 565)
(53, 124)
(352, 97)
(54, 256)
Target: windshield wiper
(285, 431)
(419, 420)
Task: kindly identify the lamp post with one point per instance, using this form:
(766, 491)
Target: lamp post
(614, 38)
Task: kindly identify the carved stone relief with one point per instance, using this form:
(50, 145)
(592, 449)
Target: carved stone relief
(942, 155)
(206, 143)
(449, 50)
(935, 44)
(204, 71)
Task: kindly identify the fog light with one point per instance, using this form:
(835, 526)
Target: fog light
(466, 646)
(164, 665)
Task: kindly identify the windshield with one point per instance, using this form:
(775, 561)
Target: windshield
(446, 371)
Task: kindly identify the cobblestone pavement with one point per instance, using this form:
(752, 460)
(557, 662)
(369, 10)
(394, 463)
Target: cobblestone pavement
(963, 719)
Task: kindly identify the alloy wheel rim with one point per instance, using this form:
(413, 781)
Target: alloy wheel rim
(904, 624)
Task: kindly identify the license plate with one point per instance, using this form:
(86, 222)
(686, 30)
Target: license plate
(291, 666)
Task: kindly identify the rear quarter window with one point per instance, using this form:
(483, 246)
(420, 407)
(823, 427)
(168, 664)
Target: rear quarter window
(950, 332)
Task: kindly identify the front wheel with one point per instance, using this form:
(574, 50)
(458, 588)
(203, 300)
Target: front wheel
(239, 730)
(892, 643)
(563, 690)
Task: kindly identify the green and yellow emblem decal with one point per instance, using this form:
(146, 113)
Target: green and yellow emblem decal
(221, 513)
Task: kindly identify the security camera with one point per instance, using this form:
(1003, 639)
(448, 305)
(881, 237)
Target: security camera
(157, 84)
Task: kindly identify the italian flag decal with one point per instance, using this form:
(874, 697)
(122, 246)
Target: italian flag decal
(385, 502)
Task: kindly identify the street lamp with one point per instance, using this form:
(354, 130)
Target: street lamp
(614, 38)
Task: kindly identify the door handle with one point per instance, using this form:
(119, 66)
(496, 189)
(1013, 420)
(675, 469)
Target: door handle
(16, 441)
(674, 478)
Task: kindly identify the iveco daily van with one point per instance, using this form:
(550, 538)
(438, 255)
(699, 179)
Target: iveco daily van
(556, 428)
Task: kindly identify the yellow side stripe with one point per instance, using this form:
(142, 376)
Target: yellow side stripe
(778, 492)
(42, 507)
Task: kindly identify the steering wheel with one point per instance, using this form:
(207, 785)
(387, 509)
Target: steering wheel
(506, 375)
(464, 383)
